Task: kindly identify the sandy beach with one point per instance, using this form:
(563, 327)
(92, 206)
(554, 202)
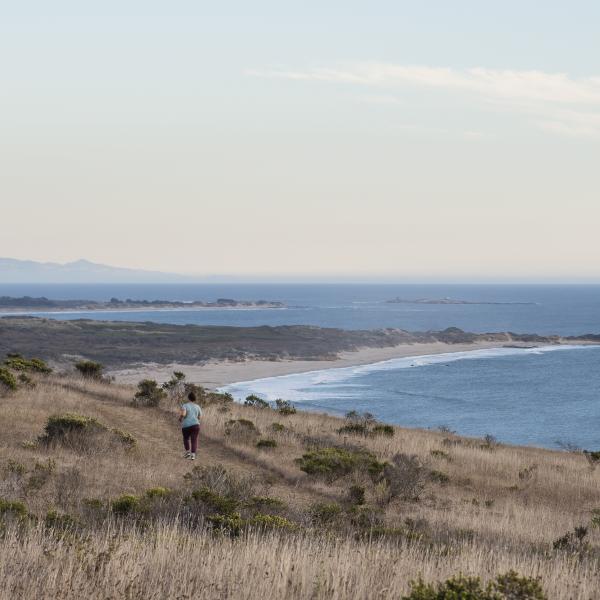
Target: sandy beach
(215, 374)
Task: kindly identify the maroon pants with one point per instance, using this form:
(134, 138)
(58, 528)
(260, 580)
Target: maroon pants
(190, 437)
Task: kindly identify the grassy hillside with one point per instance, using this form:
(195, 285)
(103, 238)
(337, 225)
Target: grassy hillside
(313, 513)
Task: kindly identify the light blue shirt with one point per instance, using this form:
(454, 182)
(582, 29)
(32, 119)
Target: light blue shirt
(192, 414)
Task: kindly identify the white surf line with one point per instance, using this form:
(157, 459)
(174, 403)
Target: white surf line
(289, 386)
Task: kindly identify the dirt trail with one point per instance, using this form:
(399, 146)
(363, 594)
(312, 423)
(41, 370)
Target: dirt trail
(161, 437)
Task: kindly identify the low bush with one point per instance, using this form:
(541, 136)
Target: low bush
(324, 513)
(12, 509)
(354, 429)
(242, 430)
(8, 381)
(266, 444)
(440, 454)
(221, 481)
(256, 402)
(32, 365)
(335, 462)
(405, 477)
(284, 407)
(149, 393)
(381, 429)
(89, 369)
(509, 586)
(221, 504)
(83, 433)
(60, 521)
(158, 492)
(573, 541)
(125, 504)
(277, 427)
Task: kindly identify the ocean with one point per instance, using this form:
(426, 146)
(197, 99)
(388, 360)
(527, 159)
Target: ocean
(545, 396)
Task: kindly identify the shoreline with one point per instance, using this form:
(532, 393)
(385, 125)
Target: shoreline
(213, 375)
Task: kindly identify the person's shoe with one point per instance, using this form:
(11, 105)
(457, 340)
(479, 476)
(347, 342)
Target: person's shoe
(187, 454)
(192, 456)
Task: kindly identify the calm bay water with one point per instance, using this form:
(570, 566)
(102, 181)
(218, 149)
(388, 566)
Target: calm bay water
(535, 397)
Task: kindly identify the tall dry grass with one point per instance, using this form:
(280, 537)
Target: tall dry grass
(502, 507)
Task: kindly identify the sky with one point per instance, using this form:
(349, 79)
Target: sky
(384, 140)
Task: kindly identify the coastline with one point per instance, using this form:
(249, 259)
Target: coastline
(215, 374)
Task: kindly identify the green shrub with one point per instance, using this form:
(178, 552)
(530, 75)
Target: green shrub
(264, 503)
(385, 430)
(12, 508)
(125, 504)
(124, 438)
(70, 429)
(158, 492)
(60, 522)
(89, 369)
(354, 429)
(225, 505)
(510, 586)
(7, 380)
(149, 393)
(243, 430)
(18, 363)
(41, 474)
(283, 407)
(334, 462)
(271, 522)
(229, 524)
(277, 427)
(256, 402)
(325, 512)
(266, 443)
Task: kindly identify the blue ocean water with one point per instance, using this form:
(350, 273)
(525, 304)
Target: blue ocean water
(543, 397)
(547, 309)
(537, 397)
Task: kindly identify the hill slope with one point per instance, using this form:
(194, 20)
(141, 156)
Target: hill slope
(251, 523)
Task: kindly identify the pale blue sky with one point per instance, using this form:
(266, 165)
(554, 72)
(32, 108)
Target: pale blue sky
(410, 140)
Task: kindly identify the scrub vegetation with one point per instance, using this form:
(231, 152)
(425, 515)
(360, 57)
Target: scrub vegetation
(96, 501)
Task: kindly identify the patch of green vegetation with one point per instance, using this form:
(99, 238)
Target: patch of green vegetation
(158, 492)
(284, 407)
(224, 505)
(256, 402)
(7, 380)
(149, 393)
(124, 438)
(61, 428)
(354, 429)
(60, 521)
(382, 429)
(277, 427)
(89, 369)
(265, 503)
(125, 504)
(271, 522)
(13, 508)
(266, 443)
(324, 513)
(510, 586)
(19, 363)
(331, 463)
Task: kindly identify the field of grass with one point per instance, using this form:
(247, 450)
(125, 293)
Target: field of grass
(329, 508)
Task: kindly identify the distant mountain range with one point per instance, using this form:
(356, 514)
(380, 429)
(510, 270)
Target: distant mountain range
(80, 271)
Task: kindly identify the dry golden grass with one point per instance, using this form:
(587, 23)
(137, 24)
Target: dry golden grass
(486, 519)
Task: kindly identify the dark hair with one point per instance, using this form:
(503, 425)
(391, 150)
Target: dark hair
(192, 397)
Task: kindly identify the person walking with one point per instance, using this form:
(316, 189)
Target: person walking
(190, 425)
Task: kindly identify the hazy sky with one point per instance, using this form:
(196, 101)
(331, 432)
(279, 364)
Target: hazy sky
(395, 139)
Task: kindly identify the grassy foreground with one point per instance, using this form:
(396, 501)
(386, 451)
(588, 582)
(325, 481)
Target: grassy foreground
(276, 506)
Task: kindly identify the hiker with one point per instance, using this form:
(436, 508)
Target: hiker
(190, 425)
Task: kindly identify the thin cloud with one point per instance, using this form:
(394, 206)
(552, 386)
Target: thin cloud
(557, 101)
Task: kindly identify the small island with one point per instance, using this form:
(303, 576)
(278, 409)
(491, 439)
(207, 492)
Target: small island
(27, 303)
(447, 300)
